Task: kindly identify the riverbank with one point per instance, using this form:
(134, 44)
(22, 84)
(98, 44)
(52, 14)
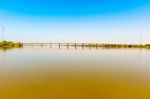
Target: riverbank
(91, 45)
(113, 46)
(9, 45)
(120, 46)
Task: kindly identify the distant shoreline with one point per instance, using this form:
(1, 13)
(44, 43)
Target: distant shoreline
(10, 45)
(91, 45)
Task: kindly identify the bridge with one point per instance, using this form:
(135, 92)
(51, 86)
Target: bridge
(67, 45)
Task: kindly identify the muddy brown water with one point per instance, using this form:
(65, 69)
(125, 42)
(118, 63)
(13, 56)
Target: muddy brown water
(52, 73)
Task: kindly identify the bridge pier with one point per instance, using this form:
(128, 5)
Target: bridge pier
(67, 45)
(96, 46)
(59, 45)
(90, 46)
(75, 46)
(41, 45)
(50, 45)
(82, 46)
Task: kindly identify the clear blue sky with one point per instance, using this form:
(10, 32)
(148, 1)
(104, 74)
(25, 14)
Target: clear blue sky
(106, 21)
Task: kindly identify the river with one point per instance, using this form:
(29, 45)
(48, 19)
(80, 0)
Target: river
(52, 73)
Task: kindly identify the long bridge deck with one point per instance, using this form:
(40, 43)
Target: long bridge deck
(89, 45)
(63, 44)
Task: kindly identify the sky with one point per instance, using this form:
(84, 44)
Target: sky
(97, 21)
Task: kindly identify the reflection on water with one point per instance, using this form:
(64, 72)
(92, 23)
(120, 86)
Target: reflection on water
(2, 63)
(52, 73)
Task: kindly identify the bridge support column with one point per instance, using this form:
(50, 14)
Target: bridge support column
(50, 45)
(82, 46)
(67, 45)
(96, 46)
(75, 46)
(59, 45)
(90, 46)
(41, 45)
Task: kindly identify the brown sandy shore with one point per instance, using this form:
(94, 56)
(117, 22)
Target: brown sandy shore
(75, 84)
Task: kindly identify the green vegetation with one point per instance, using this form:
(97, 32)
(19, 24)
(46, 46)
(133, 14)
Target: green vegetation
(120, 46)
(9, 45)
(115, 46)
(147, 46)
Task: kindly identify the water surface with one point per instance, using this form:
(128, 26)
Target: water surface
(52, 73)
